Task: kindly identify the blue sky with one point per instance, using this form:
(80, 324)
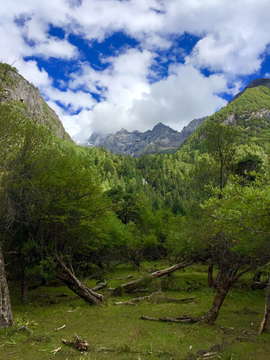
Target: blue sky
(107, 64)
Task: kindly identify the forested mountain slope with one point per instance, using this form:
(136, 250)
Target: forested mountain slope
(249, 112)
(254, 83)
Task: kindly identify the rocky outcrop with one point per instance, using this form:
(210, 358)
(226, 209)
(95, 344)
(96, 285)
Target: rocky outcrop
(17, 90)
(162, 139)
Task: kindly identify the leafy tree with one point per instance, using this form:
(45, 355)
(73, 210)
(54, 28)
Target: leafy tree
(221, 141)
(8, 127)
(50, 204)
(240, 234)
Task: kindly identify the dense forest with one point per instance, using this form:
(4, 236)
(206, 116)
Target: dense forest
(66, 210)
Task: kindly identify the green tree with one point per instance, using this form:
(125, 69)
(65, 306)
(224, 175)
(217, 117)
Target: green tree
(50, 204)
(221, 141)
(239, 238)
(9, 125)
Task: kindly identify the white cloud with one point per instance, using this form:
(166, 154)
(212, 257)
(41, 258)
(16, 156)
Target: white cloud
(186, 94)
(54, 48)
(30, 71)
(236, 36)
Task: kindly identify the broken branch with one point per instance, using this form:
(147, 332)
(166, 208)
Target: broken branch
(79, 344)
(60, 328)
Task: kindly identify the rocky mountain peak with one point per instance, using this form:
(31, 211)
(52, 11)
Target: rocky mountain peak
(160, 139)
(160, 127)
(122, 131)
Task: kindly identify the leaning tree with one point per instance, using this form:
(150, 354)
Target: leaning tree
(240, 239)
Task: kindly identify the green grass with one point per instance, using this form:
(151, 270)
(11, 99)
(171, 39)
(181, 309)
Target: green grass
(117, 332)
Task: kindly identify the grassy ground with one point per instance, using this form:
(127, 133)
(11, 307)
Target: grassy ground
(117, 332)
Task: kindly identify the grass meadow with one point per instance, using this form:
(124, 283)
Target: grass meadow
(117, 332)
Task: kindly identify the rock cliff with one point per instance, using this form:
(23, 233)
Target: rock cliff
(17, 90)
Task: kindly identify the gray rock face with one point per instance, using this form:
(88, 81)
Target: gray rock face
(159, 140)
(22, 94)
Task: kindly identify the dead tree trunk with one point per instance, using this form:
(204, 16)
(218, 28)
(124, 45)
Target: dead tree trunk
(265, 325)
(6, 318)
(76, 285)
(132, 285)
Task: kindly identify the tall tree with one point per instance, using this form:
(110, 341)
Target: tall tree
(50, 204)
(9, 125)
(221, 141)
(240, 234)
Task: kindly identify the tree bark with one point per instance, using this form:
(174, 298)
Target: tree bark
(210, 275)
(212, 314)
(76, 285)
(6, 318)
(265, 325)
(24, 288)
(130, 286)
(226, 281)
(222, 291)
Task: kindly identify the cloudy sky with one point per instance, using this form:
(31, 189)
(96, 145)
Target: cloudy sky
(107, 64)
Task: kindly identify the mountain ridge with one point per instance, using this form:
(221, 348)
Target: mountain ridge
(161, 139)
(252, 84)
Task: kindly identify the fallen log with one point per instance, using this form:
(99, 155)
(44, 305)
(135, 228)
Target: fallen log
(179, 319)
(145, 280)
(177, 300)
(162, 298)
(131, 301)
(79, 344)
(100, 286)
(76, 285)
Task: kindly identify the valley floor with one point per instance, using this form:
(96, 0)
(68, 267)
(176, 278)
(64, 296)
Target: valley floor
(118, 332)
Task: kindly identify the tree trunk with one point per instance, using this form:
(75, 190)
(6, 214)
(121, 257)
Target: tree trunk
(222, 292)
(225, 282)
(265, 325)
(210, 275)
(76, 285)
(24, 288)
(217, 281)
(6, 318)
(130, 286)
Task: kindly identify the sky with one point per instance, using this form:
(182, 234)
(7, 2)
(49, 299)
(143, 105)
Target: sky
(103, 65)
